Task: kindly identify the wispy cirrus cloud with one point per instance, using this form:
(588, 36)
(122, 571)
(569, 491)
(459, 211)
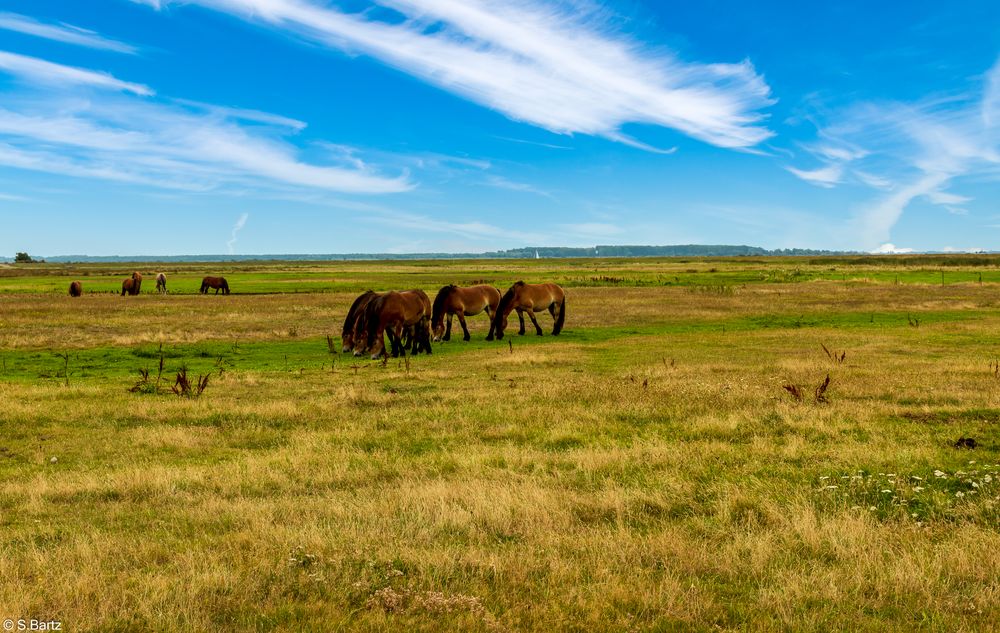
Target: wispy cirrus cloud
(910, 151)
(240, 223)
(114, 133)
(40, 71)
(61, 32)
(824, 176)
(558, 65)
(499, 182)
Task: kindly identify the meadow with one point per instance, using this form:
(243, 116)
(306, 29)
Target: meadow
(671, 461)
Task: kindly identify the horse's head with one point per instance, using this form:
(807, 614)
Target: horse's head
(359, 342)
(437, 330)
(501, 325)
(377, 348)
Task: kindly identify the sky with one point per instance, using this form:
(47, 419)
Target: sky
(184, 127)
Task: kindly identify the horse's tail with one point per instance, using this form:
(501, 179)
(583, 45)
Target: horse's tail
(561, 319)
(225, 286)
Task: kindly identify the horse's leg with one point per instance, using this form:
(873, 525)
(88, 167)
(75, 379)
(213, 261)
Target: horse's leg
(376, 341)
(447, 328)
(399, 336)
(465, 328)
(534, 321)
(520, 317)
(393, 342)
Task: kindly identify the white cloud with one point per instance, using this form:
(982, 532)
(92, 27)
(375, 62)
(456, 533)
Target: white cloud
(945, 198)
(873, 181)
(912, 151)
(40, 71)
(824, 176)
(500, 182)
(127, 138)
(240, 223)
(952, 249)
(891, 249)
(65, 33)
(550, 64)
(244, 114)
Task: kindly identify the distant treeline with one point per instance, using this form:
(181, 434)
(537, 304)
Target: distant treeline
(548, 252)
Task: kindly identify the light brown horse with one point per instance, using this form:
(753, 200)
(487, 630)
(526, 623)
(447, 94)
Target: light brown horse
(132, 285)
(529, 298)
(457, 301)
(219, 283)
(161, 283)
(355, 321)
(75, 289)
(391, 313)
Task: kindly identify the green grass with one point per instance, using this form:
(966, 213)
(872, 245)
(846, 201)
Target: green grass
(646, 470)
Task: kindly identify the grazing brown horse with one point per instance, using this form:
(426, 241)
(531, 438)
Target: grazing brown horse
(219, 283)
(529, 298)
(454, 300)
(132, 285)
(161, 283)
(354, 323)
(391, 313)
(75, 289)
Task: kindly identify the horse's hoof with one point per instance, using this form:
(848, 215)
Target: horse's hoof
(466, 338)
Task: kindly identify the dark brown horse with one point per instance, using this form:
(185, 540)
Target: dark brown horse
(391, 313)
(161, 283)
(354, 322)
(530, 298)
(75, 289)
(132, 285)
(457, 301)
(219, 283)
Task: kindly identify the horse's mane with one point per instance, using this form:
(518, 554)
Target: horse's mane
(353, 312)
(439, 300)
(372, 311)
(506, 300)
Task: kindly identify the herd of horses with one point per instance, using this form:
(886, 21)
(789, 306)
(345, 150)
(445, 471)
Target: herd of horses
(411, 321)
(132, 285)
(408, 318)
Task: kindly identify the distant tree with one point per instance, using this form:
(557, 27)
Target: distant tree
(23, 258)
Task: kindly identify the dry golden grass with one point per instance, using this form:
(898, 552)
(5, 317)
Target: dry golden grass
(645, 471)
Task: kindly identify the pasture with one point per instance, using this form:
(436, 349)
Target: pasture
(648, 469)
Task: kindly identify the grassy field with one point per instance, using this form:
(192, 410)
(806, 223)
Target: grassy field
(647, 469)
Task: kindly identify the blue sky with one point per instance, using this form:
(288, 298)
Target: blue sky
(323, 126)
